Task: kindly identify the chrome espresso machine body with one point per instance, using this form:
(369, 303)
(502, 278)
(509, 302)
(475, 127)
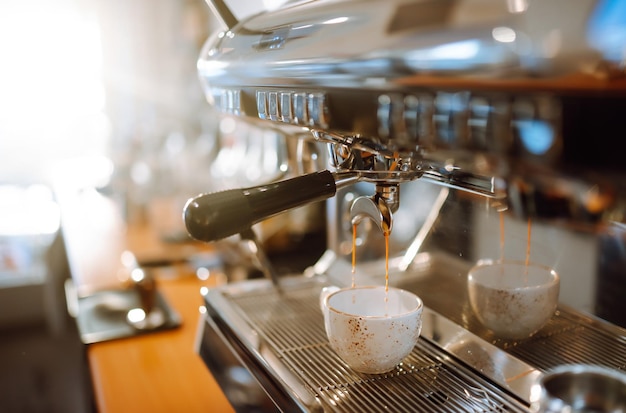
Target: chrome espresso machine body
(450, 125)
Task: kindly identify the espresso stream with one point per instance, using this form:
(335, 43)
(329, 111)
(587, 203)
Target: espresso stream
(528, 238)
(386, 233)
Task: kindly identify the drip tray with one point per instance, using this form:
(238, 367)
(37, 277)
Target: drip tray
(569, 336)
(278, 337)
(101, 316)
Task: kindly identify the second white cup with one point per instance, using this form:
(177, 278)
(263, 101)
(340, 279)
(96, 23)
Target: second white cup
(511, 298)
(371, 329)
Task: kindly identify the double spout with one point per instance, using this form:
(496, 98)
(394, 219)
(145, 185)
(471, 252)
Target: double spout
(379, 207)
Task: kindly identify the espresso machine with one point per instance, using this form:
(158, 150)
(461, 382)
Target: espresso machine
(454, 126)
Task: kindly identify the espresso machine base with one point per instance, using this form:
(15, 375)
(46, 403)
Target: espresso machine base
(268, 349)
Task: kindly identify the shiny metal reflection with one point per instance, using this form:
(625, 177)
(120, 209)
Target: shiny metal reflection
(141, 320)
(580, 388)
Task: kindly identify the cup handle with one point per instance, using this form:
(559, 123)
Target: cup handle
(326, 291)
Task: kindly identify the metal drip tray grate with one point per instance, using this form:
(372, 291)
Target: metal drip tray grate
(457, 365)
(291, 325)
(569, 337)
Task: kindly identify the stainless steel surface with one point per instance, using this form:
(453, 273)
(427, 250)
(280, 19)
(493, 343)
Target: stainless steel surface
(580, 388)
(374, 208)
(280, 334)
(260, 258)
(568, 337)
(482, 96)
(382, 37)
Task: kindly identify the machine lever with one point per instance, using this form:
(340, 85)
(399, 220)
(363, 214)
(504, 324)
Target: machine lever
(211, 217)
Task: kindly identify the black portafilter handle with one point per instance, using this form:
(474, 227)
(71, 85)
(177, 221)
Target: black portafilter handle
(211, 217)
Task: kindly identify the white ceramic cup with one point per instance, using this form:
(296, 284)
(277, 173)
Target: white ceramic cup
(512, 299)
(371, 329)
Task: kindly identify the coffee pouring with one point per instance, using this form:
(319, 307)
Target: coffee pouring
(434, 120)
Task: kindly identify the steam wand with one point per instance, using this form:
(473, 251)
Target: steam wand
(262, 261)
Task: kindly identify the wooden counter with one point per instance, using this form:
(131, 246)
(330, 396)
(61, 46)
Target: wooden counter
(155, 372)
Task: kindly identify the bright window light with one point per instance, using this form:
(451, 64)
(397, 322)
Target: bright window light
(52, 100)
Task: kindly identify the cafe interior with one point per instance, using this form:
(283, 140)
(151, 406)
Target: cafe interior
(185, 184)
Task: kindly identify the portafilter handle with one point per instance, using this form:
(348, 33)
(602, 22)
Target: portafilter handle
(211, 217)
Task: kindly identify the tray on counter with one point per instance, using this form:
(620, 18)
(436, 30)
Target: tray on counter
(101, 316)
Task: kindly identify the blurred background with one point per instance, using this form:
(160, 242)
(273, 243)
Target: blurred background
(93, 93)
(104, 94)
